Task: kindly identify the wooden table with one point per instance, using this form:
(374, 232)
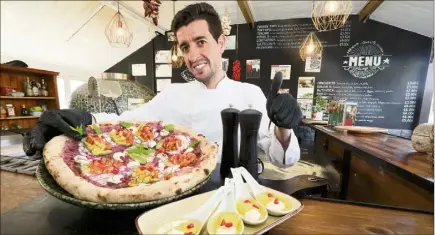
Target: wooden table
(48, 215)
(378, 168)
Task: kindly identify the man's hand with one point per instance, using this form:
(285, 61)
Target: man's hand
(284, 111)
(53, 123)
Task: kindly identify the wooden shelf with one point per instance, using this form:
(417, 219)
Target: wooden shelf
(28, 98)
(5, 67)
(19, 117)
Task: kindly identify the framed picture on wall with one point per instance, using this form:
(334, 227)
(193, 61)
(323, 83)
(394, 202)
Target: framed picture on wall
(252, 69)
(231, 43)
(162, 83)
(313, 64)
(284, 69)
(163, 70)
(171, 36)
(163, 56)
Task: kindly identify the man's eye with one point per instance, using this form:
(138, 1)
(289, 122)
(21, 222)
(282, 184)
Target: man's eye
(184, 49)
(201, 42)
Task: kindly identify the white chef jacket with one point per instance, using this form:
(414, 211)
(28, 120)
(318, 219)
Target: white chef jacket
(194, 106)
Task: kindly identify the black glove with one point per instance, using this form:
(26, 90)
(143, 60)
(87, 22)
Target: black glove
(284, 111)
(53, 123)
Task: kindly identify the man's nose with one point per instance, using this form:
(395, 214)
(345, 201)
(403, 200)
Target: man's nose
(193, 54)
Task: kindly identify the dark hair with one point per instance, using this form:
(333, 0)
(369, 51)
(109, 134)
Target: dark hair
(198, 11)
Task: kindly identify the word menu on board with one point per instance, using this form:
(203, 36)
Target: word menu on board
(280, 36)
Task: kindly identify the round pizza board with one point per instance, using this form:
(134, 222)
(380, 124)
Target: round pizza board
(49, 184)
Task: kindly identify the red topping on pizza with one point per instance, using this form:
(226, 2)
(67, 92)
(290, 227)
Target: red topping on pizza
(184, 159)
(104, 165)
(256, 206)
(171, 143)
(189, 226)
(269, 195)
(247, 201)
(223, 222)
(188, 233)
(229, 224)
(122, 136)
(146, 132)
(97, 144)
(276, 201)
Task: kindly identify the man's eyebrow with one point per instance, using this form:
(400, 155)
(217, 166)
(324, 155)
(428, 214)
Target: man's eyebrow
(198, 38)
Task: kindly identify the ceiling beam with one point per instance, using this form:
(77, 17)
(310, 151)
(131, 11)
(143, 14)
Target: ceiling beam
(247, 13)
(368, 9)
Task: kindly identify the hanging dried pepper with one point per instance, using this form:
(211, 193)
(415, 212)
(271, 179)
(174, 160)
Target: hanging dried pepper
(151, 8)
(236, 70)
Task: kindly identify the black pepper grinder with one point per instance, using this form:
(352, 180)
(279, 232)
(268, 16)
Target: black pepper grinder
(230, 156)
(250, 120)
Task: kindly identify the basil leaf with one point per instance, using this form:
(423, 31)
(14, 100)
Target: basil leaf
(97, 129)
(126, 124)
(139, 153)
(78, 129)
(193, 144)
(169, 127)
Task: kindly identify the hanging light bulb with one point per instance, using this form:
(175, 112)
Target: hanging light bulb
(311, 47)
(117, 32)
(330, 15)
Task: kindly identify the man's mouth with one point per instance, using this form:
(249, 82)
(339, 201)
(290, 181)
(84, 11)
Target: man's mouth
(199, 65)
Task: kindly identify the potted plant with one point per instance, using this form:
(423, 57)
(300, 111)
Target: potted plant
(318, 108)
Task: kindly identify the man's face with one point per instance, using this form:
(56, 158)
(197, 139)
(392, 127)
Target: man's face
(202, 54)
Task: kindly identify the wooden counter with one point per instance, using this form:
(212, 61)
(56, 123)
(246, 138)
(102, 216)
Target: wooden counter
(378, 168)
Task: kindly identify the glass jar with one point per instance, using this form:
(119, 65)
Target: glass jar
(3, 113)
(11, 110)
(24, 111)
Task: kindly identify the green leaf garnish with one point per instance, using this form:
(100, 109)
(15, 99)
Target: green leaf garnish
(97, 129)
(139, 153)
(78, 129)
(126, 124)
(159, 144)
(193, 144)
(169, 127)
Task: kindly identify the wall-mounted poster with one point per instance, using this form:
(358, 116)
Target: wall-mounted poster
(252, 68)
(163, 70)
(231, 43)
(306, 106)
(139, 69)
(133, 103)
(163, 56)
(162, 83)
(284, 69)
(306, 87)
(313, 64)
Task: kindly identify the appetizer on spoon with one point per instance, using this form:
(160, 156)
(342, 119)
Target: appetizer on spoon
(192, 224)
(226, 220)
(276, 203)
(251, 211)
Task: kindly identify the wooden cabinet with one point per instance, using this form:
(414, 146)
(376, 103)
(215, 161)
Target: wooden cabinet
(14, 77)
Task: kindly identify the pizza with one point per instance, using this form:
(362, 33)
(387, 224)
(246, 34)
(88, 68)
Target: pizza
(130, 162)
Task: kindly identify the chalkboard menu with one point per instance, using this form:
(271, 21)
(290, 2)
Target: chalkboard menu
(380, 67)
(291, 35)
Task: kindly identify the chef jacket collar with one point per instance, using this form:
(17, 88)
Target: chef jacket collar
(222, 83)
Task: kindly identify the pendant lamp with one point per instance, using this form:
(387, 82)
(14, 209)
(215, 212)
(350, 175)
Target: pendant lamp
(311, 47)
(117, 32)
(330, 15)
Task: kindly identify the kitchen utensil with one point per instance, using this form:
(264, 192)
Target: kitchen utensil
(276, 203)
(233, 223)
(230, 156)
(250, 120)
(195, 220)
(249, 209)
(273, 92)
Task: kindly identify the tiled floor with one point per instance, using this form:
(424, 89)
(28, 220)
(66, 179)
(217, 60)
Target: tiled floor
(17, 189)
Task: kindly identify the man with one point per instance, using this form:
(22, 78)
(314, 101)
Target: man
(196, 105)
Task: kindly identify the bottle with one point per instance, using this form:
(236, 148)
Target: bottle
(230, 156)
(44, 88)
(250, 120)
(3, 112)
(29, 90)
(35, 89)
(24, 111)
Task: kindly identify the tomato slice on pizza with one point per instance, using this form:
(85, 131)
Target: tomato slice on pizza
(145, 132)
(122, 136)
(97, 145)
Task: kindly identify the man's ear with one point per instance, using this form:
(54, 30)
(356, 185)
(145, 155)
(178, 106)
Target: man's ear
(222, 42)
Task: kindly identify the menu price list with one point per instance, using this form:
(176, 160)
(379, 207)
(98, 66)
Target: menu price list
(279, 36)
(410, 101)
(371, 102)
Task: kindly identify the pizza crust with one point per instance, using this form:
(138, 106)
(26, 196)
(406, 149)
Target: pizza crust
(84, 190)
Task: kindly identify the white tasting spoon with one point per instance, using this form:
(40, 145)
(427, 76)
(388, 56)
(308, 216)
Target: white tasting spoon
(226, 220)
(276, 203)
(251, 211)
(193, 222)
